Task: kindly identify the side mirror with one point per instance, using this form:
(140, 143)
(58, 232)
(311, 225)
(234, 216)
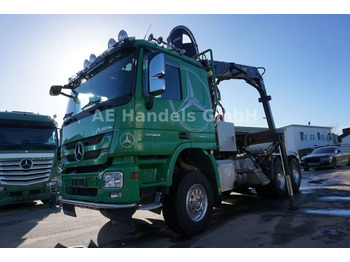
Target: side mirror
(156, 78)
(157, 73)
(55, 90)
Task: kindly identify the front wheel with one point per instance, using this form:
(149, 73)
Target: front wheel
(188, 208)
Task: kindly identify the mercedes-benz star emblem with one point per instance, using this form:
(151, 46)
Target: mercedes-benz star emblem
(26, 163)
(79, 151)
(193, 104)
(127, 140)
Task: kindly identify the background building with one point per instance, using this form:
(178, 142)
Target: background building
(345, 137)
(307, 136)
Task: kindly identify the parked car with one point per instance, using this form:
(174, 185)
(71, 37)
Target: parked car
(328, 156)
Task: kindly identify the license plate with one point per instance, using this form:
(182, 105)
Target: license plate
(69, 210)
(78, 182)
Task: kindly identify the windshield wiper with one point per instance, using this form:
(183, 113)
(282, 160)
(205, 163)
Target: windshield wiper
(92, 102)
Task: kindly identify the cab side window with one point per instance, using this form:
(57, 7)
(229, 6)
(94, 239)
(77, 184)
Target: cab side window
(172, 83)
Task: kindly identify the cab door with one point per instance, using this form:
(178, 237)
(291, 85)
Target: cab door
(160, 126)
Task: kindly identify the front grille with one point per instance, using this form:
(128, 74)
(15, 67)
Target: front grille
(90, 192)
(98, 141)
(88, 141)
(88, 155)
(312, 159)
(11, 172)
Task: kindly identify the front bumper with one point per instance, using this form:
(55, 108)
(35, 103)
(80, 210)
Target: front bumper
(316, 164)
(119, 214)
(14, 194)
(94, 205)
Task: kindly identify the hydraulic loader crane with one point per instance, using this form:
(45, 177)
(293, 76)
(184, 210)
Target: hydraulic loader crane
(218, 71)
(227, 71)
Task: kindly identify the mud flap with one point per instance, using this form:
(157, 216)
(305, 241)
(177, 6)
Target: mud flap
(69, 210)
(122, 218)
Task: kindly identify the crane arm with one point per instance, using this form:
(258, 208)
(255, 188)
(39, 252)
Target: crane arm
(227, 71)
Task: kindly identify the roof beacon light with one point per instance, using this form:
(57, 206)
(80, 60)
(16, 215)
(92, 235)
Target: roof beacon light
(111, 43)
(92, 58)
(86, 63)
(122, 36)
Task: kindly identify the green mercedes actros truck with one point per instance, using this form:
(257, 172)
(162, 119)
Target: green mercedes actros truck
(145, 130)
(27, 145)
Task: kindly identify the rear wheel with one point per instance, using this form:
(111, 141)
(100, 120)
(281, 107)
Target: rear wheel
(296, 174)
(188, 208)
(279, 184)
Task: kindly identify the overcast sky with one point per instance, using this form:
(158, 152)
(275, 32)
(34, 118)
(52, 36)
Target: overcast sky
(306, 59)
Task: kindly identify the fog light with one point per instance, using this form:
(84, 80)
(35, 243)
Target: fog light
(113, 180)
(116, 194)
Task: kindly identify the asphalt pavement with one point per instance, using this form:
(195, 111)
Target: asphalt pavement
(322, 220)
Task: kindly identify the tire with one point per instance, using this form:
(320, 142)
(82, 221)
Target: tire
(348, 164)
(279, 184)
(188, 208)
(296, 174)
(334, 163)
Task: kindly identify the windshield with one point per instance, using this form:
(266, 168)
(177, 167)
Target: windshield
(28, 138)
(324, 150)
(110, 79)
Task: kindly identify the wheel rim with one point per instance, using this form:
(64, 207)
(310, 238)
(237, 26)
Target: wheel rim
(281, 181)
(296, 175)
(196, 202)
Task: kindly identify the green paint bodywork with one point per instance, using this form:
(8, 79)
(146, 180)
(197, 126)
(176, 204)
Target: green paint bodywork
(151, 148)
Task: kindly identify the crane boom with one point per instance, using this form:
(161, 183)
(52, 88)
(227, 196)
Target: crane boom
(227, 71)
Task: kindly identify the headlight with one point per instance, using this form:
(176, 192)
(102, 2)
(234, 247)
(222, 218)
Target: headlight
(113, 180)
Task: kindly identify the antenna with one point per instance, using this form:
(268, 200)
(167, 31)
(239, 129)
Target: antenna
(147, 31)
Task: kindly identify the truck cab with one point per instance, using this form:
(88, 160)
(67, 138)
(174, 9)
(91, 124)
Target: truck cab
(27, 145)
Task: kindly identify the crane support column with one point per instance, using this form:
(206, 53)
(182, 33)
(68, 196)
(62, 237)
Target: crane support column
(227, 71)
